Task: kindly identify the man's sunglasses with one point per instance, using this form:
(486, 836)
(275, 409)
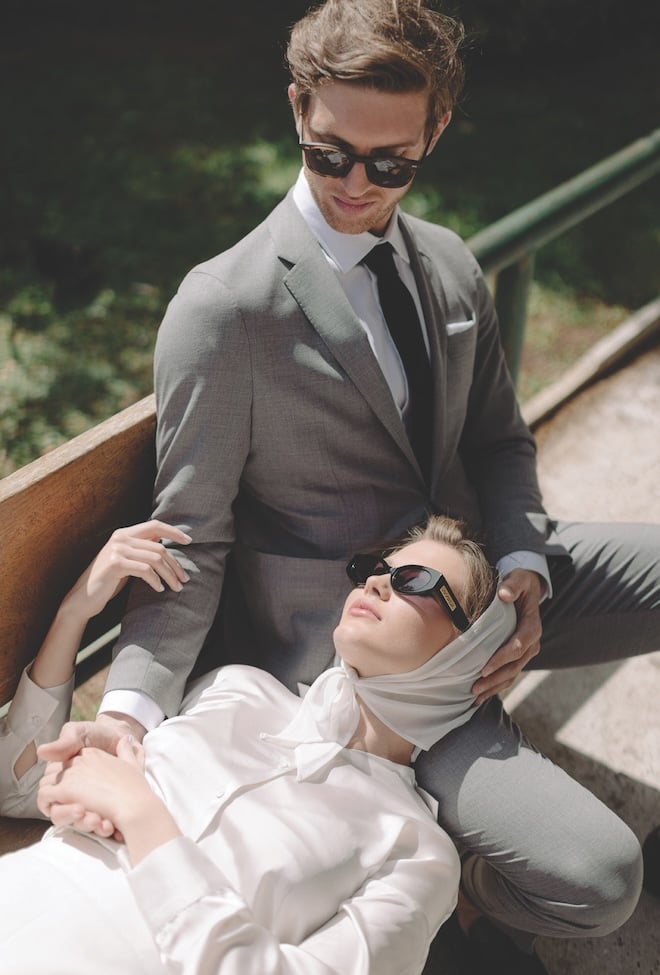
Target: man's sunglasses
(409, 580)
(389, 172)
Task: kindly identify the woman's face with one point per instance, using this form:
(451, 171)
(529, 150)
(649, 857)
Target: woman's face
(384, 632)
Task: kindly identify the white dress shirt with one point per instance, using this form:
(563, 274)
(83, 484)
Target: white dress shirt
(344, 253)
(342, 873)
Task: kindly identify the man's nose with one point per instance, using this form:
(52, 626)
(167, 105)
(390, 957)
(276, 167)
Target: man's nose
(356, 181)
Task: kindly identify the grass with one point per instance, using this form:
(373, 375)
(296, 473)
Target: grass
(561, 327)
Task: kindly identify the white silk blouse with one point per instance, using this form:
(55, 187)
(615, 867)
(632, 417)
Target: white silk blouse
(342, 873)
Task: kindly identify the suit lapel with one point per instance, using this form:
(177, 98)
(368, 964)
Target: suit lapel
(314, 286)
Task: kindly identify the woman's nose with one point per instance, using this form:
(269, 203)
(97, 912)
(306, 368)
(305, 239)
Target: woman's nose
(379, 585)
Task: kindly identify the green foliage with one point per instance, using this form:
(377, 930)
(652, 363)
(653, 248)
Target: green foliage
(60, 373)
(141, 144)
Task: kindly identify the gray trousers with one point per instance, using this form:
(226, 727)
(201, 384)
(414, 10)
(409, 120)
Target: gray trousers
(542, 855)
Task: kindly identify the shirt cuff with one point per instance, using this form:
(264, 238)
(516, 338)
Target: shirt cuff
(171, 878)
(532, 561)
(134, 703)
(33, 705)
(36, 714)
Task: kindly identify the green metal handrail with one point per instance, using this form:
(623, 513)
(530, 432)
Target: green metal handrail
(507, 247)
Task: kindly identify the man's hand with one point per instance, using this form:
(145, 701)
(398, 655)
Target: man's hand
(524, 588)
(105, 734)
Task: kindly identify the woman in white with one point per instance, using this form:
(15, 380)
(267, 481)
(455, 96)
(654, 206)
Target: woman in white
(255, 832)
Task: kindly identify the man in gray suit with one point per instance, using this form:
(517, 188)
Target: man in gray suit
(295, 430)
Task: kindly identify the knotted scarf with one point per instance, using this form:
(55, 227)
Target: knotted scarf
(422, 705)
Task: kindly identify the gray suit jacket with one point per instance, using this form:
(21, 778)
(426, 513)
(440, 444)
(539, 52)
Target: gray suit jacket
(279, 442)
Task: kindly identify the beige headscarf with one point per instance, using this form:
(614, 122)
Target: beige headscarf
(422, 705)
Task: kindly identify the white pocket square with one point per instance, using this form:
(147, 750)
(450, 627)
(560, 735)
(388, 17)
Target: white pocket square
(454, 327)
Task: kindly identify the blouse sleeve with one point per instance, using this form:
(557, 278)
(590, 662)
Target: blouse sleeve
(36, 715)
(203, 927)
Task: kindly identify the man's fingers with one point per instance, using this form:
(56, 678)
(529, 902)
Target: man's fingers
(522, 587)
(104, 733)
(501, 678)
(493, 692)
(73, 737)
(131, 751)
(512, 650)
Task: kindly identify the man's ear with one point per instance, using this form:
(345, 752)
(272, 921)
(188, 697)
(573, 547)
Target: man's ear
(439, 129)
(291, 92)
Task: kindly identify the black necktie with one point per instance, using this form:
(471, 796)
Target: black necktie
(400, 313)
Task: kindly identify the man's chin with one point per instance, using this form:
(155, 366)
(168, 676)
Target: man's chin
(359, 224)
(363, 220)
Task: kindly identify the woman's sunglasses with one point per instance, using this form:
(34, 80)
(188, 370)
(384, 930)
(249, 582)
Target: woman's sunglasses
(389, 172)
(409, 580)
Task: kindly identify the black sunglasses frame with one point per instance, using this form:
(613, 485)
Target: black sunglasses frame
(410, 166)
(362, 566)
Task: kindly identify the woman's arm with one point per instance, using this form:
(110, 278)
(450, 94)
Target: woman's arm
(42, 702)
(204, 925)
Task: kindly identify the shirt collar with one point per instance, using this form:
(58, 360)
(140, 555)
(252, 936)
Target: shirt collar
(345, 250)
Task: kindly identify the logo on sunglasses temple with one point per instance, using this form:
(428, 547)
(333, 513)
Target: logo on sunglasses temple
(446, 595)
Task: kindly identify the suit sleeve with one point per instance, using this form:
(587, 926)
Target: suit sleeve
(202, 927)
(498, 449)
(203, 384)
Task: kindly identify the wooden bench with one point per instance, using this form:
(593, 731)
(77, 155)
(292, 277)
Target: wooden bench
(55, 514)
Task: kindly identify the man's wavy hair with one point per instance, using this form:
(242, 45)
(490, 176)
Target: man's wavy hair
(389, 45)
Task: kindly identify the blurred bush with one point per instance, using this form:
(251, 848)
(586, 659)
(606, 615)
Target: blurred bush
(141, 138)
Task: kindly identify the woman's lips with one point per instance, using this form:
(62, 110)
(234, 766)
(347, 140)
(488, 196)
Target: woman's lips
(363, 607)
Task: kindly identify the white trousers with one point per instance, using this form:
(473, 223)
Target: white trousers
(66, 912)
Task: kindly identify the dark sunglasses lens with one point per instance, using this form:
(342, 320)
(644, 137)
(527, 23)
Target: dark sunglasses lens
(364, 566)
(390, 173)
(327, 162)
(412, 579)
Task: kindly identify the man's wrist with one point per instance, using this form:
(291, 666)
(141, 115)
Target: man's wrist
(131, 725)
(530, 561)
(137, 704)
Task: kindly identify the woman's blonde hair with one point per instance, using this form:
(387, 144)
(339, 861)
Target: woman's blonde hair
(481, 586)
